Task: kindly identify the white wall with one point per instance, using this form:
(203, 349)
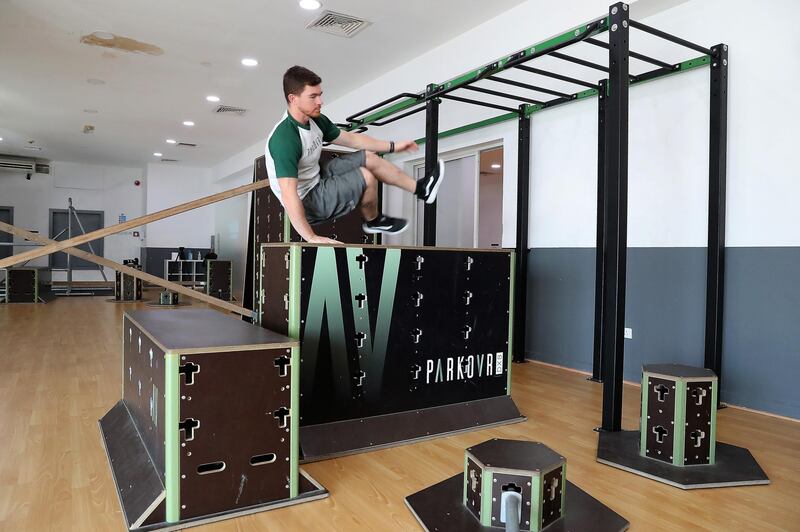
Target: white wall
(169, 185)
(231, 219)
(99, 188)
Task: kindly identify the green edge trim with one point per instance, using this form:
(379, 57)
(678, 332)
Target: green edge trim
(486, 497)
(563, 489)
(466, 468)
(475, 125)
(643, 421)
(679, 428)
(287, 227)
(537, 496)
(172, 449)
(511, 295)
(712, 450)
(294, 332)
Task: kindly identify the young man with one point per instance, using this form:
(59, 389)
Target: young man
(313, 195)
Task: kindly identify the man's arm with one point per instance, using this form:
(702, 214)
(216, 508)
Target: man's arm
(297, 213)
(365, 142)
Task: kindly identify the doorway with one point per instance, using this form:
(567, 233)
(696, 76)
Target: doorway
(7, 216)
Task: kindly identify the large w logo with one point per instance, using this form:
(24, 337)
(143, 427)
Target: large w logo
(325, 301)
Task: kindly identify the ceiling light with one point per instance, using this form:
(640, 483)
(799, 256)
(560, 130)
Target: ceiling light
(310, 4)
(495, 165)
(188, 123)
(172, 141)
(248, 62)
(212, 98)
(1, 139)
(157, 154)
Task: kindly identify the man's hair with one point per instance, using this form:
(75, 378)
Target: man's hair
(295, 80)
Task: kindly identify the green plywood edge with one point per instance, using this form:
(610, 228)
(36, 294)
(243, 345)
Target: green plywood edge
(712, 450)
(511, 286)
(287, 227)
(172, 461)
(464, 492)
(486, 497)
(680, 423)
(537, 497)
(563, 489)
(259, 294)
(295, 257)
(643, 422)
(501, 64)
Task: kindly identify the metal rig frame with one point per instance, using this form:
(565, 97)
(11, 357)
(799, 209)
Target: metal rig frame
(612, 189)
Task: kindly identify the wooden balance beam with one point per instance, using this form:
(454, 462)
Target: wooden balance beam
(54, 246)
(127, 270)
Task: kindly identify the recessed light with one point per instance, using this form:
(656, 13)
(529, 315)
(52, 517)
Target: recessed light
(248, 62)
(188, 123)
(157, 154)
(1, 139)
(495, 165)
(95, 81)
(212, 98)
(172, 141)
(310, 4)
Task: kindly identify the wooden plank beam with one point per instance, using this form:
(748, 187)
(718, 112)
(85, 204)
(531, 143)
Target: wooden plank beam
(130, 224)
(133, 272)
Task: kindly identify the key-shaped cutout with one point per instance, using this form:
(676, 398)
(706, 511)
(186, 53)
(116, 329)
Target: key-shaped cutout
(697, 437)
(417, 298)
(188, 426)
(416, 333)
(140, 345)
(553, 488)
(151, 358)
(285, 301)
(283, 363)
(419, 260)
(282, 415)
(473, 480)
(662, 392)
(465, 330)
(360, 299)
(466, 297)
(699, 394)
(130, 334)
(360, 337)
(286, 260)
(661, 433)
(362, 261)
(188, 370)
(358, 378)
(415, 369)
(468, 263)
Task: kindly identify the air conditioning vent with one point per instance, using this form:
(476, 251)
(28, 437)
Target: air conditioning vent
(13, 164)
(337, 24)
(185, 145)
(231, 109)
(169, 160)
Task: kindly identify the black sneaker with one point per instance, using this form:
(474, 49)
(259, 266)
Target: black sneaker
(428, 187)
(385, 224)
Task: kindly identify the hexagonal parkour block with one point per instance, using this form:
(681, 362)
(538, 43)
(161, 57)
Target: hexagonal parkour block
(676, 443)
(508, 483)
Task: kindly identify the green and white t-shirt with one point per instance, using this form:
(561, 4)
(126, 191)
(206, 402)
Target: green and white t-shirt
(293, 150)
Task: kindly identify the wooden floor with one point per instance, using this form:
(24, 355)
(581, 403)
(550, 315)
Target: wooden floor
(60, 371)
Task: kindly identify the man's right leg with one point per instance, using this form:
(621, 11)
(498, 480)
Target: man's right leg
(425, 189)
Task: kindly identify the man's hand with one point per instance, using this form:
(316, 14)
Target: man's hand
(405, 145)
(316, 239)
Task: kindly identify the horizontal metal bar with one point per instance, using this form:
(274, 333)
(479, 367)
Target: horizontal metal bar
(475, 125)
(476, 102)
(501, 94)
(635, 55)
(527, 86)
(673, 69)
(398, 117)
(352, 118)
(578, 61)
(669, 37)
(553, 75)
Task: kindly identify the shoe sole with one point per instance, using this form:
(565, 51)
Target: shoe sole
(372, 231)
(432, 196)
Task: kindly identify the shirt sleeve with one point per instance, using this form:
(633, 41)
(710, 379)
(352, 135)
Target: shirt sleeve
(329, 130)
(285, 149)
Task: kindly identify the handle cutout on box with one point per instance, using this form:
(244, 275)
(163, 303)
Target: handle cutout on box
(211, 467)
(261, 459)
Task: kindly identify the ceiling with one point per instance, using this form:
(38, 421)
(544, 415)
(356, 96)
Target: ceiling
(145, 96)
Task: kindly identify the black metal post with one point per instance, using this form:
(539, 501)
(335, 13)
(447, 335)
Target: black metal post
(616, 218)
(521, 273)
(717, 167)
(601, 233)
(431, 160)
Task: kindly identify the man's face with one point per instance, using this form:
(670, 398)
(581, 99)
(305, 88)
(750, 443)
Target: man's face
(309, 101)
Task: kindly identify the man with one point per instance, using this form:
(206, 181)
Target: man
(313, 195)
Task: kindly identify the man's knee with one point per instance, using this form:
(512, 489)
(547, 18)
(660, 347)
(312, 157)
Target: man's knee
(371, 159)
(369, 178)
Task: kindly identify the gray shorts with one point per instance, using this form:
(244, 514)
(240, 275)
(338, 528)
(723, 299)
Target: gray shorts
(341, 185)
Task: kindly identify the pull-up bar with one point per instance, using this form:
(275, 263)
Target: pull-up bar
(579, 61)
(477, 102)
(553, 75)
(528, 86)
(635, 55)
(669, 37)
(502, 94)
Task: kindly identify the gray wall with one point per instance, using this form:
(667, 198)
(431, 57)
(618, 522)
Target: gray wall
(666, 309)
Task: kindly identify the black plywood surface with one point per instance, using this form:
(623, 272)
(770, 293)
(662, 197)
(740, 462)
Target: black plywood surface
(679, 370)
(192, 328)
